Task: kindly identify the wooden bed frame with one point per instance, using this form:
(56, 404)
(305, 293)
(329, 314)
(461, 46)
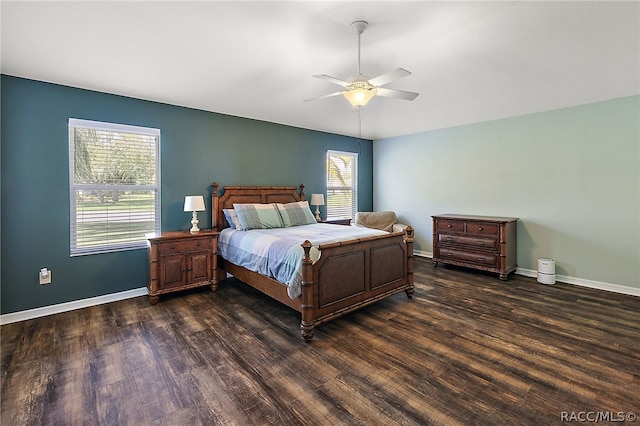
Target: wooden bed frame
(348, 275)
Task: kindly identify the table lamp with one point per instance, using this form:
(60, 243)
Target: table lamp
(194, 204)
(317, 200)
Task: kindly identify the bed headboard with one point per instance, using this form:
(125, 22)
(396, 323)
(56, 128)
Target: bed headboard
(249, 194)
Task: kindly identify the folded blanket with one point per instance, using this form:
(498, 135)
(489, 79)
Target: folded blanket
(383, 221)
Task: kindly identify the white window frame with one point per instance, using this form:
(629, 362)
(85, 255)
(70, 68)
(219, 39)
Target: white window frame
(75, 188)
(331, 213)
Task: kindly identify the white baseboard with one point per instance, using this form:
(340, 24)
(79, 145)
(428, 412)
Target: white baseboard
(423, 253)
(70, 306)
(84, 303)
(632, 291)
(616, 288)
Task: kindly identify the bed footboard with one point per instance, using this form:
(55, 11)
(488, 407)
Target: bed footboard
(353, 274)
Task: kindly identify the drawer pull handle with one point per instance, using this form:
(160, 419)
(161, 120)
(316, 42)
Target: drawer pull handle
(448, 239)
(173, 247)
(479, 228)
(199, 243)
(480, 243)
(481, 260)
(449, 226)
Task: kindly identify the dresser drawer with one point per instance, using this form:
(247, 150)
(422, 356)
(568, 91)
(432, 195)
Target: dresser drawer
(477, 242)
(482, 228)
(476, 258)
(171, 247)
(451, 225)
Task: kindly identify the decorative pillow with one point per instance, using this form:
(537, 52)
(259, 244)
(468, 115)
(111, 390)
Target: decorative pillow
(258, 216)
(295, 214)
(232, 219)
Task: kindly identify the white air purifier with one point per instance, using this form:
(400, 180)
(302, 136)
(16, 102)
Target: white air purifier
(546, 271)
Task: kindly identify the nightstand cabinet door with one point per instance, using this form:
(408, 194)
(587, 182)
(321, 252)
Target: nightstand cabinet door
(199, 267)
(172, 271)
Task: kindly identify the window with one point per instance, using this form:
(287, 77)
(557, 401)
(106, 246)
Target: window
(342, 184)
(114, 183)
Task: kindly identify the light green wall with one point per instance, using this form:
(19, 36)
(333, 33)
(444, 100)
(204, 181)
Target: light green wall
(572, 176)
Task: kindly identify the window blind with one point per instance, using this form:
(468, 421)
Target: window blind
(342, 184)
(114, 187)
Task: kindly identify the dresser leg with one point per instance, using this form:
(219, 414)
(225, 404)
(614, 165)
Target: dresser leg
(154, 299)
(504, 277)
(214, 287)
(435, 263)
(306, 331)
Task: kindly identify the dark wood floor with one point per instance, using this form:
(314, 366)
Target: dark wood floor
(468, 349)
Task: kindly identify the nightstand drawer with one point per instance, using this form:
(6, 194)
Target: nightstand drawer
(172, 247)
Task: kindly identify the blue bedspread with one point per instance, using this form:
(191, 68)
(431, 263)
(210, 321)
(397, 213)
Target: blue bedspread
(278, 253)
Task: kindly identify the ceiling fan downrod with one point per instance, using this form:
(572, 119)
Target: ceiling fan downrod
(359, 27)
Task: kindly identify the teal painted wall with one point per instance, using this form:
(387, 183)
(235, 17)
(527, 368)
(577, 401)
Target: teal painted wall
(197, 148)
(572, 176)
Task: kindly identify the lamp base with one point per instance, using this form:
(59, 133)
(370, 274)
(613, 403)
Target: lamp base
(194, 223)
(318, 214)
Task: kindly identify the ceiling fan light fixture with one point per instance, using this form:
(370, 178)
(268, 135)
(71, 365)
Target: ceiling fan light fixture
(359, 97)
(359, 89)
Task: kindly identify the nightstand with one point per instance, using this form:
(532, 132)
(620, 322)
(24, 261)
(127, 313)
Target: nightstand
(181, 260)
(337, 221)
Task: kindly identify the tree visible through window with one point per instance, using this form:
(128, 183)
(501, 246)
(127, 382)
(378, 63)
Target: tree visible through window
(114, 178)
(342, 184)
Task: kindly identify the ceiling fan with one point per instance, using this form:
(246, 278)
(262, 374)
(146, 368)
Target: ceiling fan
(360, 89)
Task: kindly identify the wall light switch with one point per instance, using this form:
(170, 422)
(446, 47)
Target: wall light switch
(45, 276)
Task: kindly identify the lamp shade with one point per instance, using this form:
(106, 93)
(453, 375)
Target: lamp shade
(317, 200)
(194, 203)
(359, 96)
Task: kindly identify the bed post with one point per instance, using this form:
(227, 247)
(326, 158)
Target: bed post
(408, 240)
(214, 206)
(307, 324)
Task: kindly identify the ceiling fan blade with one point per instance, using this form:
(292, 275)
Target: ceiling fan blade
(333, 80)
(399, 94)
(324, 96)
(388, 77)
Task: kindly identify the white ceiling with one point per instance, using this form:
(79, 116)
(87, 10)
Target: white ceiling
(471, 61)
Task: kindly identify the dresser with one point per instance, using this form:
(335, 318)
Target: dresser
(180, 260)
(486, 243)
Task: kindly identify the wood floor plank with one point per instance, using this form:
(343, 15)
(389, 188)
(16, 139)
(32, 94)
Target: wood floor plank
(467, 349)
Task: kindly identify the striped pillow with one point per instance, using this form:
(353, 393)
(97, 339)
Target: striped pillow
(258, 216)
(295, 214)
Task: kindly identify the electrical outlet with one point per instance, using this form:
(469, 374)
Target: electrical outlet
(45, 276)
